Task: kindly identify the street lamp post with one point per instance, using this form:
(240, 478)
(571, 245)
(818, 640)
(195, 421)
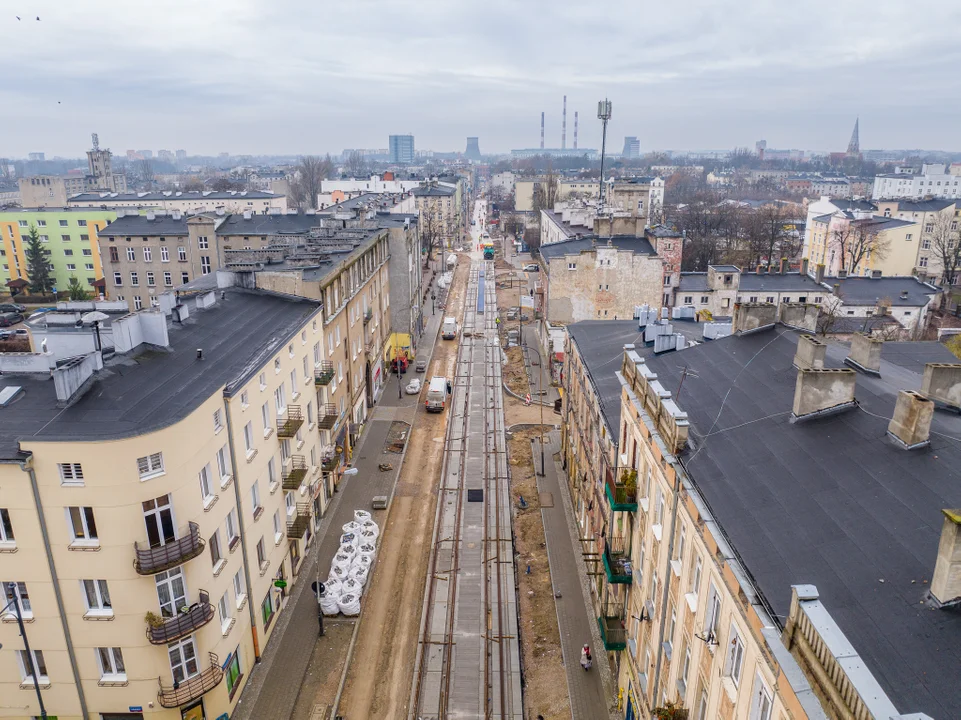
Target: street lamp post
(23, 633)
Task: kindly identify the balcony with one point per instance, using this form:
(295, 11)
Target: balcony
(368, 316)
(295, 474)
(297, 525)
(152, 560)
(173, 696)
(324, 373)
(326, 416)
(617, 561)
(611, 624)
(622, 490)
(329, 459)
(289, 423)
(198, 615)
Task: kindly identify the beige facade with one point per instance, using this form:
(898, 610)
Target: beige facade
(900, 244)
(929, 218)
(43, 191)
(437, 207)
(233, 201)
(191, 522)
(524, 191)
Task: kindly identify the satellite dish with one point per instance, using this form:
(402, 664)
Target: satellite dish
(95, 316)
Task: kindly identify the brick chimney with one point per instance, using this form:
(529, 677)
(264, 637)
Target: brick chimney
(942, 383)
(783, 267)
(911, 425)
(822, 391)
(946, 583)
(819, 273)
(865, 354)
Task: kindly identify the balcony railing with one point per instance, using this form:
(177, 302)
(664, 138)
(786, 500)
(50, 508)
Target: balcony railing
(329, 460)
(184, 623)
(368, 316)
(611, 624)
(324, 373)
(152, 560)
(617, 561)
(326, 416)
(295, 475)
(289, 423)
(297, 525)
(173, 696)
(622, 490)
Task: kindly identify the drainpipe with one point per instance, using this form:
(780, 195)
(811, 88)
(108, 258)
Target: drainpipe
(667, 588)
(243, 530)
(27, 467)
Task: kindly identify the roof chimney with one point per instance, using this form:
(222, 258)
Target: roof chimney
(248, 214)
(911, 425)
(810, 353)
(942, 383)
(176, 214)
(865, 354)
(804, 266)
(753, 317)
(151, 215)
(783, 267)
(946, 583)
(822, 391)
(819, 273)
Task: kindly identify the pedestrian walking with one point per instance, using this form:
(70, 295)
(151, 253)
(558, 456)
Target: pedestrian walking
(586, 659)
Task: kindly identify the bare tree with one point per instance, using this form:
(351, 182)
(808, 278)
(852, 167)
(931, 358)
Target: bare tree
(309, 174)
(430, 230)
(946, 245)
(356, 165)
(550, 187)
(144, 171)
(864, 243)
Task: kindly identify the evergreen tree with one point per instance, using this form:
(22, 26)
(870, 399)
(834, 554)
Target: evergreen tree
(38, 266)
(76, 290)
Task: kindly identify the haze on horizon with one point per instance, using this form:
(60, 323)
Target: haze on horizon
(285, 77)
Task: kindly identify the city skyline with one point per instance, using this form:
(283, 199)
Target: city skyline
(714, 76)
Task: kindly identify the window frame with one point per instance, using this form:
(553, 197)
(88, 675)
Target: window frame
(99, 589)
(154, 466)
(88, 522)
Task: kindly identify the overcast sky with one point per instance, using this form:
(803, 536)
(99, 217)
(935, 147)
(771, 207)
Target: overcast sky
(290, 76)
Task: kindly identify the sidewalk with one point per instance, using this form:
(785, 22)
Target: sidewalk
(589, 691)
(275, 683)
(531, 339)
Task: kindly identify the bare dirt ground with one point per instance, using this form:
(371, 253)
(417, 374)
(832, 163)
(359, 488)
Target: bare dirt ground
(381, 670)
(546, 679)
(514, 373)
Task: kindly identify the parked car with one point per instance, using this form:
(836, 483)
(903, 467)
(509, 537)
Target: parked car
(10, 318)
(413, 387)
(421, 365)
(10, 334)
(12, 308)
(532, 267)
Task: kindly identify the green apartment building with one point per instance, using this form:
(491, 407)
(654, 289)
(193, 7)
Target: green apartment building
(68, 234)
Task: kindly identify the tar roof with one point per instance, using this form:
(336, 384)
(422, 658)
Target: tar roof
(154, 388)
(868, 291)
(142, 225)
(600, 345)
(788, 282)
(831, 502)
(147, 197)
(281, 223)
(637, 245)
(439, 190)
(930, 205)
(693, 282)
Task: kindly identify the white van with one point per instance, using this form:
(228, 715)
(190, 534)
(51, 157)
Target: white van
(436, 394)
(448, 330)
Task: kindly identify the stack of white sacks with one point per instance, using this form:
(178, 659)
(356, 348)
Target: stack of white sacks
(350, 567)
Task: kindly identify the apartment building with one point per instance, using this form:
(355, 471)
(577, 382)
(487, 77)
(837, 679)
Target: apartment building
(147, 255)
(937, 221)
(932, 182)
(861, 242)
(185, 201)
(70, 236)
(437, 207)
(156, 505)
(744, 573)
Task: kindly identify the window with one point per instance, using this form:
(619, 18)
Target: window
(239, 589)
(85, 238)
(17, 592)
(929, 227)
(150, 279)
(134, 279)
(255, 499)
(88, 266)
(6, 527)
(688, 299)
(218, 420)
(168, 279)
(118, 279)
(164, 253)
(66, 238)
(263, 381)
(922, 262)
(261, 553)
(232, 534)
(150, 466)
(701, 706)
(223, 464)
(293, 383)
(82, 525)
(685, 671)
(696, 575)
(131, 254)
(908, 236)
(763, 702)
(735, 657)
(70, 473)
(280, 400)
(271, 471)
(216, 556)
(63, 223)
(96, 597)
(202, 242)
(224, 612)
(244, 400)
(278, 531)
(111, 664)
(137, 302)
(22, 223)
(249, 438)
(233, 674)
(265, 416)
(26, 672)
(182, 254)
(204, 264)
(41, 223)
(713, 614)
(82, 223)
(571, 266)
(183, 659)
(206, 489)
(704, 299)
(267, 608)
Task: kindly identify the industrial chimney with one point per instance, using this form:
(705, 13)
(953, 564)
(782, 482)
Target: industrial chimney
(564, 125)
(542, 131)
(575, 129)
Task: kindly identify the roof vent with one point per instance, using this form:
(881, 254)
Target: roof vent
(875, 274)
(9, 394)
(904, 294)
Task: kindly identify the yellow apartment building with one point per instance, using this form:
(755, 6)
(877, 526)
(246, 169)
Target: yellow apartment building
(868, 242)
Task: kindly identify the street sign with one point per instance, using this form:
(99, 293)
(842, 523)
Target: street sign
(280, 584)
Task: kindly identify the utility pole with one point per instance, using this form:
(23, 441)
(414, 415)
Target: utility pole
(604, 114)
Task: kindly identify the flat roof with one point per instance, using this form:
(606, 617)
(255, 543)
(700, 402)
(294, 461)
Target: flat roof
(152, 388)
(141, 225)
(831, 502)
(575, 246)
(147, 197)
(259, 224)
(868, 291)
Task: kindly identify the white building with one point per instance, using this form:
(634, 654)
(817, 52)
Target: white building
(834, 186)
(933, 181)
(372, 184)
(503, 180)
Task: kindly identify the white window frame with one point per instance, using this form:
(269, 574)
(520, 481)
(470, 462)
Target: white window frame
(734, 661)
(39, 663)
(20, 595)
(99, 589)
(86, 515)
(150, 466)
(249, 439)
(206, 486)
(218, 420)
(762, 703)
(232, 527)
(240, 589)
(223, 466)
(112, 666)
(164, 254)
(223, 610)
(7, 537)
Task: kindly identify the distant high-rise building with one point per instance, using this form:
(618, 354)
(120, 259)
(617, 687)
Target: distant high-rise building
(854, 146)
(165, 156)
(35, 156)
(146, 154)
(632, 148)
(181, 154)
(473, 149)
(401, 149)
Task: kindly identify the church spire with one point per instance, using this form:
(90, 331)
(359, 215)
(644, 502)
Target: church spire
(854, 147)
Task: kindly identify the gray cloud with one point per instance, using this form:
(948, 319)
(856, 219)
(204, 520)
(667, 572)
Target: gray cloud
(288, 76)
